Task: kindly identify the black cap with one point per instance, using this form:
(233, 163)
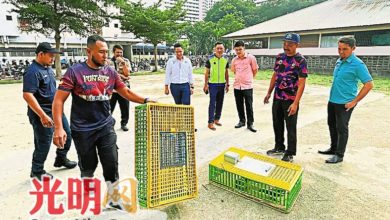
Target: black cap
(46, 48)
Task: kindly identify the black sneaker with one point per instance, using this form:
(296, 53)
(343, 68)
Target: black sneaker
(59, 162)
(40, 175)
(124, 128)
(275, 152)
(287, 158)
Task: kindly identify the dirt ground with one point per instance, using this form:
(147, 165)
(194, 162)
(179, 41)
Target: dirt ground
(358, 188)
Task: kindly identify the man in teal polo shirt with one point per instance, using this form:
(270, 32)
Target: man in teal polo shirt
(216, 81)
(348, 72)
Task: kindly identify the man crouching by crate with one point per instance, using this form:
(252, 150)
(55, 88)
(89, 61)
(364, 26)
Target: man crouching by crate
(91, 84)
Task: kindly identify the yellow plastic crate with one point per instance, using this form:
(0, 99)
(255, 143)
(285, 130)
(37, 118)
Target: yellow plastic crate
(279, 189)
(165, 154)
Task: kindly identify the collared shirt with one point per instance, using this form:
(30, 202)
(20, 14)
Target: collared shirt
(40, 81)
(178, 71)
(346, 76)
(243, 68)
(288, 71)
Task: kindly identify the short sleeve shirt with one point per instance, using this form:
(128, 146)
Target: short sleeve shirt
(41, 82)
(288, 71)
(91, 91)
(244, 67)
(346, 76)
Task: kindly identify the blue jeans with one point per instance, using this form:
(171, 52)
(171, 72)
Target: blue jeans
(181, 93)
(217, 94)
(42, 141)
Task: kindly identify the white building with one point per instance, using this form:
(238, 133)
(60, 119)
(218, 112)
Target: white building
(18, 45)
(320, 27)
(193, 8)
(206, 6)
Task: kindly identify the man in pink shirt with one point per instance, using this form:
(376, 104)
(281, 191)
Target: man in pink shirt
(245, 67)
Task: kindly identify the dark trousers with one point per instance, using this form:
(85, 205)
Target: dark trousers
(124, 105)
(217, 94)
(43, 138)
(338, 120)
(102, 143)
(279, 117)
(246, 96)
(181, 93)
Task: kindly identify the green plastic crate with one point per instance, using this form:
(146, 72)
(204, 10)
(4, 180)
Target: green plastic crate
(279, 189)
(165, 154)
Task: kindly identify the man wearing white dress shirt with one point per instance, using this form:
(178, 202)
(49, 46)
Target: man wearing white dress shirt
(178, 77)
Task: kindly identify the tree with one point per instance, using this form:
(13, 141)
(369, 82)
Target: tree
(239, 8)
(251, 14)
(275, 8)
(228, 24)
(151, 23)
(56, 16)
(203, 35)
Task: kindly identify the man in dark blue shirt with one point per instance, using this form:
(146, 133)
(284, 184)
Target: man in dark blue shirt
(39, 87)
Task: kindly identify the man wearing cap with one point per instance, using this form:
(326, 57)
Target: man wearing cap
(288, 84)
(39, 87)
(344, 97)
(245, 67)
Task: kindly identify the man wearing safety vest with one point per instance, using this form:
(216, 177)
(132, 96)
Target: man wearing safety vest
(216, 81)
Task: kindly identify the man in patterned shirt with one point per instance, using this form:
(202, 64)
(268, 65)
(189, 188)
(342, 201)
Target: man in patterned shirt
(288, 80)
(91, 84)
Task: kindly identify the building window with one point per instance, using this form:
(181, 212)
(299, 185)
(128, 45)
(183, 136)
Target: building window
(310, 40)
(116, 25)
(363, 38)
(276, 42)
(8, 17)
(256, 43)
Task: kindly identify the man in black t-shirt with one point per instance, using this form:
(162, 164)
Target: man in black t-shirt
(39, 87)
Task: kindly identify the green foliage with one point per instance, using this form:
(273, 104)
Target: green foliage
(228, 16)
(238, 8)
(275, 8)
(151, 23)
(251, 14)
(202, 35)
